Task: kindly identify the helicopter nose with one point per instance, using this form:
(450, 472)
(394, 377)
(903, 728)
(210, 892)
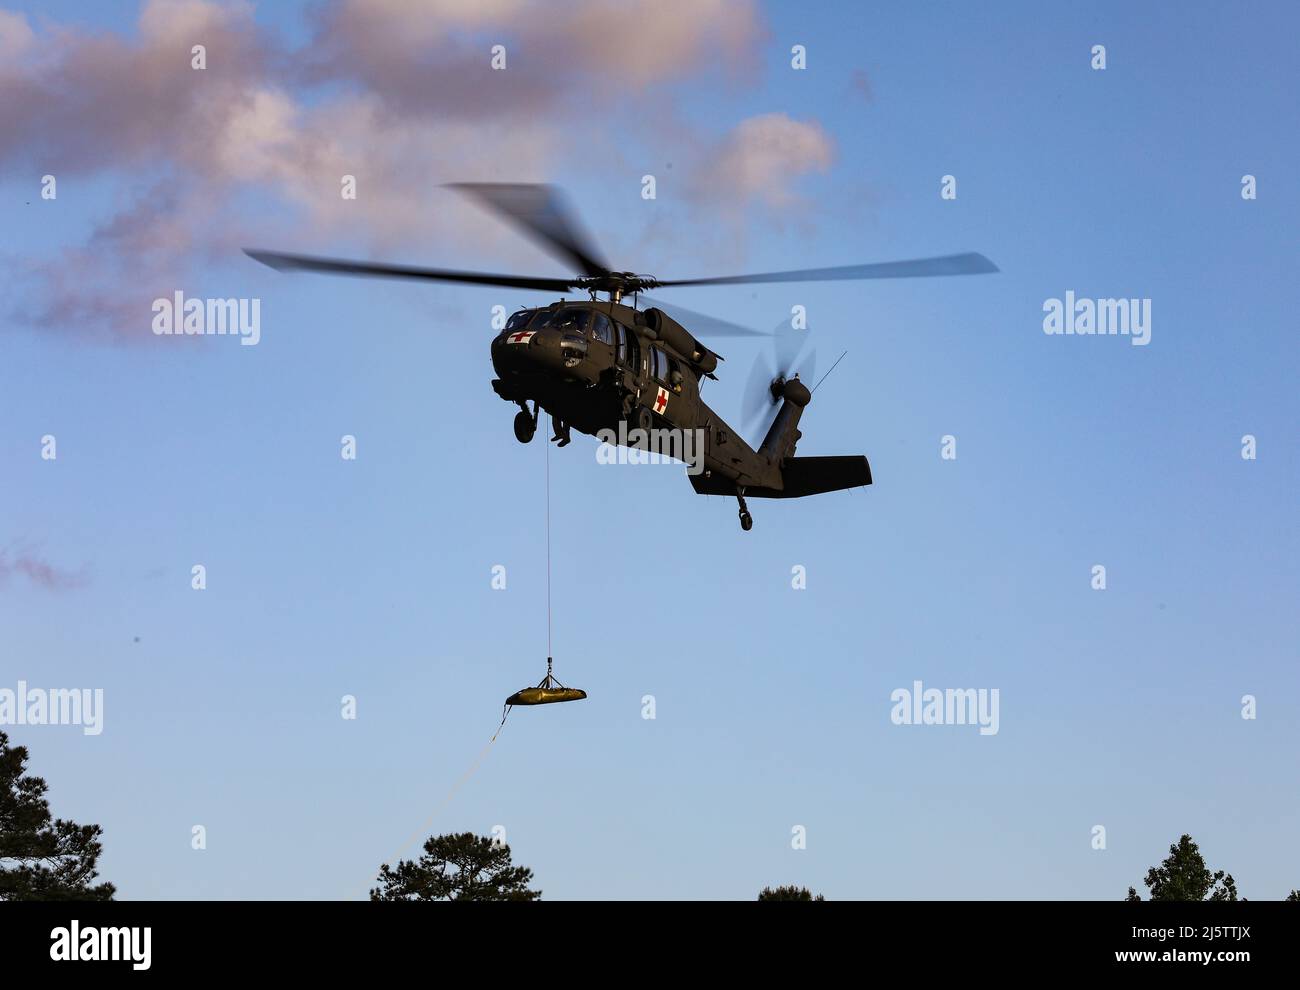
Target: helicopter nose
(526, 350)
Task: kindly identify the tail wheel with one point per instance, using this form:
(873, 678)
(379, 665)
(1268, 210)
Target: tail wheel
(746, 520)
(644, 420)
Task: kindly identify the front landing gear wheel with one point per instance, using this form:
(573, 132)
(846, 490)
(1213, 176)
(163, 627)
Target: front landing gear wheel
(525, 426)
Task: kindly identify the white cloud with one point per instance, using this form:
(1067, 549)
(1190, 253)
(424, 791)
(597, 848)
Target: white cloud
(761, 159)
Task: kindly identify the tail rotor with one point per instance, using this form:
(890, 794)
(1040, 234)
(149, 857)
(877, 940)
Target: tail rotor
(791, 357)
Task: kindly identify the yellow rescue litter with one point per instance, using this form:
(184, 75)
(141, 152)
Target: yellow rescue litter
(548, 692)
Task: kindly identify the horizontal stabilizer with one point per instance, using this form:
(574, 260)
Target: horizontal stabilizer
(814, 475)
(802, 475)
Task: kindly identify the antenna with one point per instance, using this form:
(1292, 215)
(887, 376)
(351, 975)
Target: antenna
(828, 374)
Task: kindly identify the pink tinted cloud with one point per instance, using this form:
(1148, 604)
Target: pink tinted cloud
(761, 160)
(420, 106)
(592, 55)
(24, 563)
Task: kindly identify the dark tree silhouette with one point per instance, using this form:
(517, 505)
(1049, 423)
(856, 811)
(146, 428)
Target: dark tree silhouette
(1183, 876)
(788, 893)
(40, 859)
(463, 867)
(1293, 896)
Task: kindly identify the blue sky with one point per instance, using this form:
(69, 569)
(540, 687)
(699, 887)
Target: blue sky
(372, 578)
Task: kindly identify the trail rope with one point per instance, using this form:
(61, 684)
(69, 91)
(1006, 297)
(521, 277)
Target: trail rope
(548, 543)
(478, 760)
(423, 831)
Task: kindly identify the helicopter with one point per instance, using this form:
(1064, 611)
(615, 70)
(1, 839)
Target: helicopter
(597, 364)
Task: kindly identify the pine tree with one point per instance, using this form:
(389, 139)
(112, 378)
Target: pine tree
(463, 867)
(1183, 876)
(40, 859)
(788, 893)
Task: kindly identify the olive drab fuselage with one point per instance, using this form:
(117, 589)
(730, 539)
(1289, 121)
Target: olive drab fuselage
(595, 364)
(614, 371)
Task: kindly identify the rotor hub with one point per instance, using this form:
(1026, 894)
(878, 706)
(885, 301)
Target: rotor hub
(617, 284)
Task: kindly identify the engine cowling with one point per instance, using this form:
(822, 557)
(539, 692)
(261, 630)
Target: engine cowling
(680, 339)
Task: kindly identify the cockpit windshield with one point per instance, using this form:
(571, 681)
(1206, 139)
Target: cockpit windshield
(572, 320)
(520, 320)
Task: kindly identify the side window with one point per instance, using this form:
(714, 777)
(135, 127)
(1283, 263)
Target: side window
(629, 351)
(600, 329)
(659, 364)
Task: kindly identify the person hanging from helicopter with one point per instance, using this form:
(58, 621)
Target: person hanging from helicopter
(561, 430)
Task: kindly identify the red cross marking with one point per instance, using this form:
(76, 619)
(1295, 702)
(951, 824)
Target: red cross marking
(661, 400)
(518, 337)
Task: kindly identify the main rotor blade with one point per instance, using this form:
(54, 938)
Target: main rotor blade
(701, 324)
(543, 213)
(949, 264)
(337, 266)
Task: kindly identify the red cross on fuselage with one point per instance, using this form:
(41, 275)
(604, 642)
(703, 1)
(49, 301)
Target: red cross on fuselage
(661, 400)
(516, 338)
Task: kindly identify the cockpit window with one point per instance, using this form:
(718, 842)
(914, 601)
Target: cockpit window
(520, 320)
(571, 320)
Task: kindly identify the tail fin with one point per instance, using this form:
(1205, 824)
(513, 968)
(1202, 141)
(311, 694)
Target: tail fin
(784, 432)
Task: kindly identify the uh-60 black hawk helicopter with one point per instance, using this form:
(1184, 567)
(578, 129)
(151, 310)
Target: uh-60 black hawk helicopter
(594, 364)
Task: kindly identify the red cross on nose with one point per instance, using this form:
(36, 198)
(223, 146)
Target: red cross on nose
(516, 338)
